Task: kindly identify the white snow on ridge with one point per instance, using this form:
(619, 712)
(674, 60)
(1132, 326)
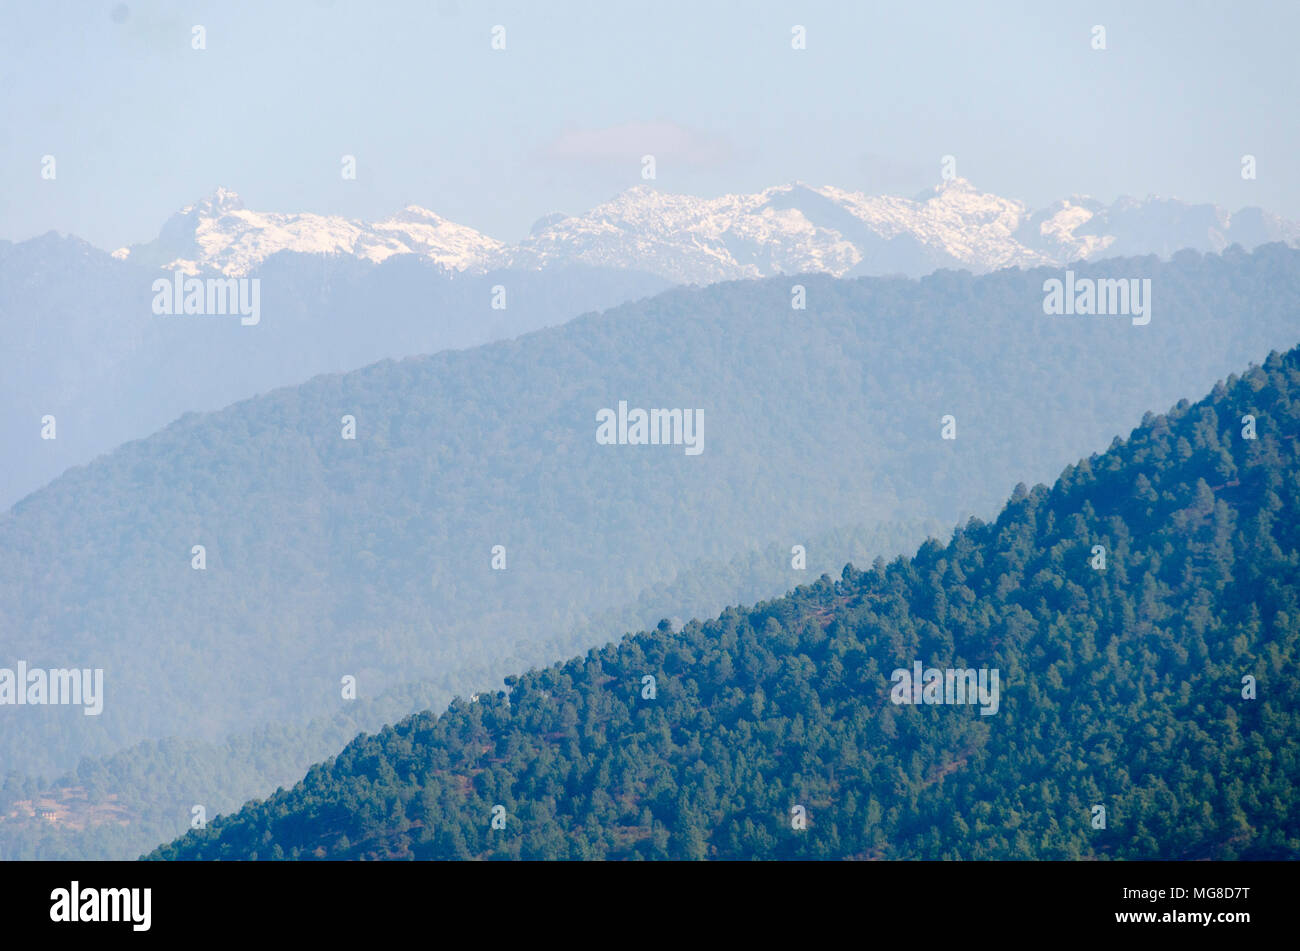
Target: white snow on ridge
(786, 229)
(227, 237)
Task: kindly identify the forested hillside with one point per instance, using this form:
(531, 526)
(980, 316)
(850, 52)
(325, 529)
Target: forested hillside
(116, 806)
(373, 557)
(1157, 683)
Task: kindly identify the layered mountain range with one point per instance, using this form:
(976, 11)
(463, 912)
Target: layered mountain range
(84, 346)
(786, 229)
(1151, 690)
(375, 557)
(337, 294)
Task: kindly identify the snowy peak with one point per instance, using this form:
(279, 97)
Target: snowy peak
(798, 227)
(414, 213)
(219, 233)
(785, 229)
(416, 230)
(688, 239)
(220, 201)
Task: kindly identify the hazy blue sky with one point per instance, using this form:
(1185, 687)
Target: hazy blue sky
(142, 124)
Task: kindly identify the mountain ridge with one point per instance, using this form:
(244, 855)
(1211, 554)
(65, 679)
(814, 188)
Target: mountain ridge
(783, 229)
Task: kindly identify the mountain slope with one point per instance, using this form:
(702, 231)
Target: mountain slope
(372, 557)
(327, 556)
(116, 807)
(84, 345)
(1121, 687)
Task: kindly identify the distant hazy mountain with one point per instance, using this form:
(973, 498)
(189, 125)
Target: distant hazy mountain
(782, 230)
(327, 556)
(85, 346)
(82, 343)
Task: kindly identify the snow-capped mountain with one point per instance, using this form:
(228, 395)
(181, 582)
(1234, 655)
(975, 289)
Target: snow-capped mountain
(797, 227)
(786, 229)
(219, 233)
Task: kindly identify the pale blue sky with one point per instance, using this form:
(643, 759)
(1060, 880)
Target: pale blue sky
(141, 124)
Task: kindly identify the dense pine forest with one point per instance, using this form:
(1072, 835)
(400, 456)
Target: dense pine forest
(1143, 614)
(118, 805)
